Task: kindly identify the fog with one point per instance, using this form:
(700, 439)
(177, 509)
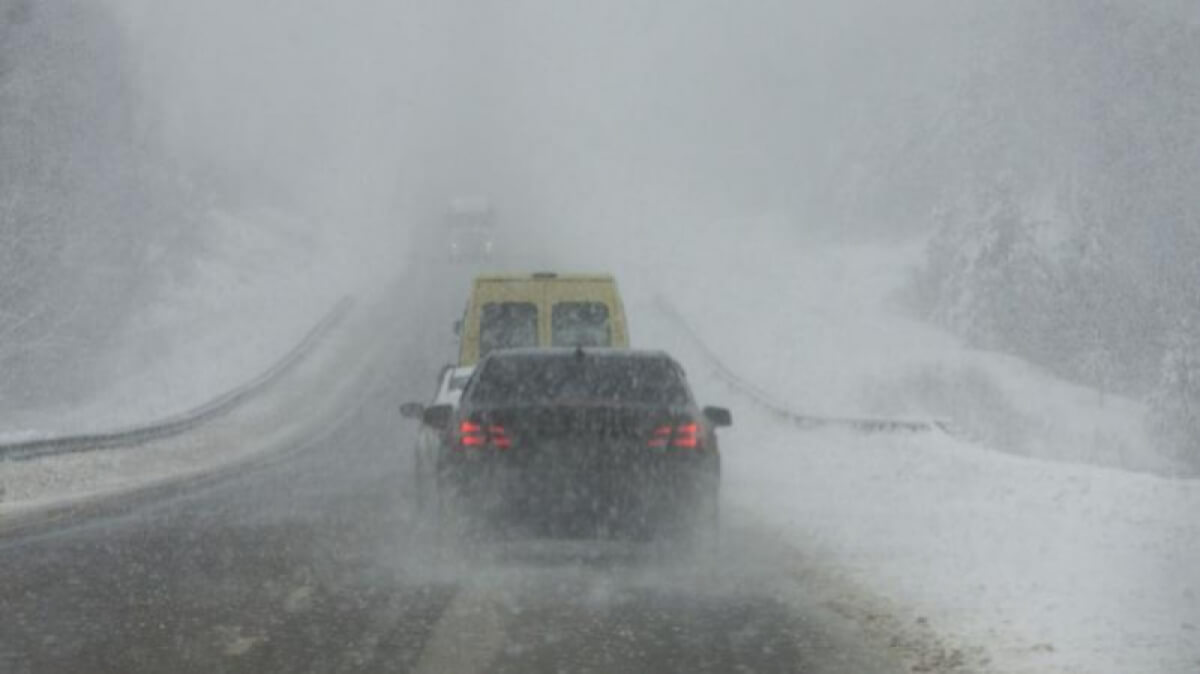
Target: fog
(976, 222)
(1046, 147)
(1042, 157)
(585, 124)
(304, 103)
(556, 109)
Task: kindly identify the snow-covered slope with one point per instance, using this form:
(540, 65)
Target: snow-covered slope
(323, 387)
(822, 326)
(1039, 563)
(265, 280)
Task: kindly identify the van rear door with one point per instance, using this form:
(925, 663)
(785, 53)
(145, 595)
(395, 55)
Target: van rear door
(583, 313)
(507, 314)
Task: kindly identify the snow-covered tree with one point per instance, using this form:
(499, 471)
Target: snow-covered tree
(1089, 114)
(1176, 402)
(986, 276)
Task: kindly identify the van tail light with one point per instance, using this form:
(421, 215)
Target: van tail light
(679, 436)
(472, 434)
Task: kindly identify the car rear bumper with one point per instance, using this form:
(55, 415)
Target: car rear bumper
(565, 500)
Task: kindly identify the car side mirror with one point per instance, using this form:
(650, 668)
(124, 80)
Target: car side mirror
(412, 410)
(718, 416)
(437, 416)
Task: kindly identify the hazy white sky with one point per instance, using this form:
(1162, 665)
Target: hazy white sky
(356, 107)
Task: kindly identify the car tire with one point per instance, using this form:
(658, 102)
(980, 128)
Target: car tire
(699, 525)
(422, 487)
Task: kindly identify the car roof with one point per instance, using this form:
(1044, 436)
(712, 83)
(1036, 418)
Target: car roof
(453, 371)
(588, 352)
(450, 373)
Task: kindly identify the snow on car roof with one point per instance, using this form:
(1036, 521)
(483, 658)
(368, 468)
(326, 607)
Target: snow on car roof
(589, 352)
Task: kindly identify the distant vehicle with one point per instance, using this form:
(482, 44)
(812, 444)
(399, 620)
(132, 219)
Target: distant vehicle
(508, 311)
(429, 444)
(470, 229)
(579, 443)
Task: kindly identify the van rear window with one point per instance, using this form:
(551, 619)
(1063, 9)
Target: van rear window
(507, 325)
(580, 324)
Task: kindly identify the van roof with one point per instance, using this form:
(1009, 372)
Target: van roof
(542, 275)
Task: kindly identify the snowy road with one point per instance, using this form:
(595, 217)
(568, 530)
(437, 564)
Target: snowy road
(308, 563)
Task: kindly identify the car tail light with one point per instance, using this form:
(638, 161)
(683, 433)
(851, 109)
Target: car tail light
(474, 434)
(661, 437)
(680, 436)
(687, 436)
(470, 434)
(499, 437)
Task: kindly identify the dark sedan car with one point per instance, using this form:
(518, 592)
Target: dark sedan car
(580, 442)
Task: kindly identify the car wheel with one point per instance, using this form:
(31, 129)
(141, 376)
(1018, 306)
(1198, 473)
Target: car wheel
(699, 524)
(448, 515)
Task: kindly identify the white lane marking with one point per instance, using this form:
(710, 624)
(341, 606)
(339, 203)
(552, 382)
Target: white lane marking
(298, 599)
(235, 644)
(466, 638)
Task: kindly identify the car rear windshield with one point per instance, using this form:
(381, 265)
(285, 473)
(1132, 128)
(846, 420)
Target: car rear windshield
(526, 380)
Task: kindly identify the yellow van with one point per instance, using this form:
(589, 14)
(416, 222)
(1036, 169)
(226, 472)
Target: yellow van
(508, 311)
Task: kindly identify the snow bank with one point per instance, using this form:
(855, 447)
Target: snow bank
(21, 435)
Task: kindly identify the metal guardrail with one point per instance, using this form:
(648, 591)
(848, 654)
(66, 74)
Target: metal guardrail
(185, 421)
(774, 407)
